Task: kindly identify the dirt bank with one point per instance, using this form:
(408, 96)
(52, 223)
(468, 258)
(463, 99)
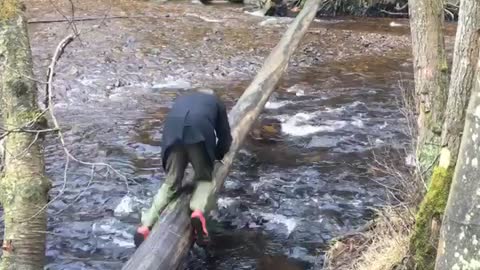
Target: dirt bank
(197, 43)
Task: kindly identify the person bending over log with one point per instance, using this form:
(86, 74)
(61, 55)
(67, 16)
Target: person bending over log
(189, 136)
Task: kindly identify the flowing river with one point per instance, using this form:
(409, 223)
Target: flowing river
(305, 174)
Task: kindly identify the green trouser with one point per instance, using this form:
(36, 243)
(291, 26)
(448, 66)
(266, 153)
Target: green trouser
(177, 161)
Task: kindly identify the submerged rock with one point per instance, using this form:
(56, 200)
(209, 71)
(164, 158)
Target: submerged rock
(266, 130)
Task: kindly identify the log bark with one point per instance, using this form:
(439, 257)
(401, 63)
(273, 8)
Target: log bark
(429, 217)
(459, 242)
(170, 238)
(23, 186)
(430, 73)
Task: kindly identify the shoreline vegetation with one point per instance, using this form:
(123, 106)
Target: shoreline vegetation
(367, 8)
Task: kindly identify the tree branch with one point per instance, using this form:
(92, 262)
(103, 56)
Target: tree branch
(50, 72)
(84, 19)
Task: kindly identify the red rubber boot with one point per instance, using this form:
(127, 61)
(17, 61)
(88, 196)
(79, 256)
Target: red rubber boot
(140, 235)
(199, 228)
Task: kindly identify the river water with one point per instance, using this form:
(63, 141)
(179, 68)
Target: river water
(305, 174)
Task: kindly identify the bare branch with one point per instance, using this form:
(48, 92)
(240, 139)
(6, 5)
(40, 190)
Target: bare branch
(398, 7)
(23, 127)
(28, 147)
(74, 26)
(50, 107)
(452, 16)
(393, 13)
(50, 72)
(203, 18)
(71, 22)
(92, 174)
(83, 19)
(25, 76)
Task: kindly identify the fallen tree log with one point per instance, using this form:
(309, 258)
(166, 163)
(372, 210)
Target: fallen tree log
(171, 237)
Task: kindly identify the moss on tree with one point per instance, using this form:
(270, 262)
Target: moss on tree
(9, 9)
(23, 186)
(427, 156)
(431, 209)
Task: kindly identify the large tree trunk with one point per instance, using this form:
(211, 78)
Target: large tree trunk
(459, 246)
(463, 70)
(429, 216)
(430, 72)
(170, 239)
(24, 186)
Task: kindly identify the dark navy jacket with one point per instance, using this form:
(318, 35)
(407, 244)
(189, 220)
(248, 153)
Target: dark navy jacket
(196, 118)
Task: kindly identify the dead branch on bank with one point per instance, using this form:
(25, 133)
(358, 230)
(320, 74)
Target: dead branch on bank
(83, 19)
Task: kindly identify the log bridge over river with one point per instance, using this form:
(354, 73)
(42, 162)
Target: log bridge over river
(171, 237)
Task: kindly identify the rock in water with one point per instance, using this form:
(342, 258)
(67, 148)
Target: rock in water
(266, 130)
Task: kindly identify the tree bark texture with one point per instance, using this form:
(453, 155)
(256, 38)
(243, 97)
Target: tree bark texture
(171, 237)
(430, 72)
(459, 247)
(23, 185)
(429, 217)
(465, 57)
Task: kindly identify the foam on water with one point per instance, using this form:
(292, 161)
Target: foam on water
(379, 142)
(335, 110)
(298, 125)
(289, 223)
(276, 104)
(225, 202)
(127, 206)
(123, 243)
(384, 125)
(111, 228)
(88, 81)
(358, 123)
(258, 13)
(256, 185)
(344, 107)
(171, 83)
(245, 152)
(297, 89)
(356, 103)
